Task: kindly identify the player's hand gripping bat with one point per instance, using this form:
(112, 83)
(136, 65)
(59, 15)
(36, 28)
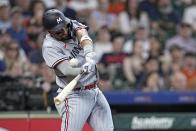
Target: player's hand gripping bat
(66, 90)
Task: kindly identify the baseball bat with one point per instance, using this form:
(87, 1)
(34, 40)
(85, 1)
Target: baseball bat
(66, 90)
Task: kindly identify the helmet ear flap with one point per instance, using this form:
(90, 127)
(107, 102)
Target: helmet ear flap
(70, 28)
(67, 21)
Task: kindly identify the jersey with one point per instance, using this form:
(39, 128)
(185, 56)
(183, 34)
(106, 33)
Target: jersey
(55, 51)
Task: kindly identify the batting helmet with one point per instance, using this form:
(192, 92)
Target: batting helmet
(54, 20)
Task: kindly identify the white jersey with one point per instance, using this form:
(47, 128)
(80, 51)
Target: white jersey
(55, 51)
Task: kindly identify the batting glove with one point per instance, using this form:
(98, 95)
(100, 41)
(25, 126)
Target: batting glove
(91, 58)
(88, 67)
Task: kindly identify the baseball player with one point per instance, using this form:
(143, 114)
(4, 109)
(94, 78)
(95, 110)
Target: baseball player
(67, 40)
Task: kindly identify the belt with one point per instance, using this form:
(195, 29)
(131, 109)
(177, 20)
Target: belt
(87, 87)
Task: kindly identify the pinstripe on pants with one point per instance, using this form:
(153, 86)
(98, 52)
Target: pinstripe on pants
(85, 106)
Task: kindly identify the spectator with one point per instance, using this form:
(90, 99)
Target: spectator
(110, 66)
(152, 82)
(5, 22)
(183, 39)
(48, 78)
(149, 6)
(116, 6)
(36, 63)
(151, 65)
(101, 17)
(103, 44)
(50, 3)
(17, 31)
(33, 32)
(155, 47)
(4, 40)
(16, 62)
(37, 7)
(181, 5)
(167, 14)
(35, 56)
(176, 58)
(61, 5)
(68, 11)
(189, 15)
(178, 82)
(133, 64)
(189, 70)
(83, 8)
(165, 71)
(141, 34)
(177, 55)
(132, 18)
(24, 5)
(47, 82)
(165, 23)
(80, 5)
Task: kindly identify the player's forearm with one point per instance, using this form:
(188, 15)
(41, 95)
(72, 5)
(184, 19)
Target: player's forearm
(85, 41)
(87, 44)
(67, 69)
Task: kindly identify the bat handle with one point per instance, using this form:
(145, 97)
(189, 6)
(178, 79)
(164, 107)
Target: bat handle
(57, 101)
(78, 76)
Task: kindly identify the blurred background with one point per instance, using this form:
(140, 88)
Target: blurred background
(147, 62)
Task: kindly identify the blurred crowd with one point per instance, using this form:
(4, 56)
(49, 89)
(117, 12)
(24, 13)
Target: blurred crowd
(147, 45)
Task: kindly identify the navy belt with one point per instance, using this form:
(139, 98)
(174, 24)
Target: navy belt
(87, 87)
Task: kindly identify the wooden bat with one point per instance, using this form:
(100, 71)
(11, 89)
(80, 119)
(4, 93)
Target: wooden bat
(66, 90)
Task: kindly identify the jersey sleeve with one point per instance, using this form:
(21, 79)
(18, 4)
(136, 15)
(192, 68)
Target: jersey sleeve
(77, 25)
(53, 56)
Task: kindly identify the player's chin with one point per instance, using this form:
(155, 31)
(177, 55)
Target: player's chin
(59, 38)
(62, 37)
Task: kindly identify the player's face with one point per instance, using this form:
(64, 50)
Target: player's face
(60, 34)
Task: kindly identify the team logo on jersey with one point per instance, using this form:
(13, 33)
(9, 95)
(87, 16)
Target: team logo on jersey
(75, 51)
(59, 20)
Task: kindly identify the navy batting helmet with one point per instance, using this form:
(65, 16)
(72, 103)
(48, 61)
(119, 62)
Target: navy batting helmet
(54, 20)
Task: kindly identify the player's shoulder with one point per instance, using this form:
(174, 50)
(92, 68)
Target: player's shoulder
(49, 41)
